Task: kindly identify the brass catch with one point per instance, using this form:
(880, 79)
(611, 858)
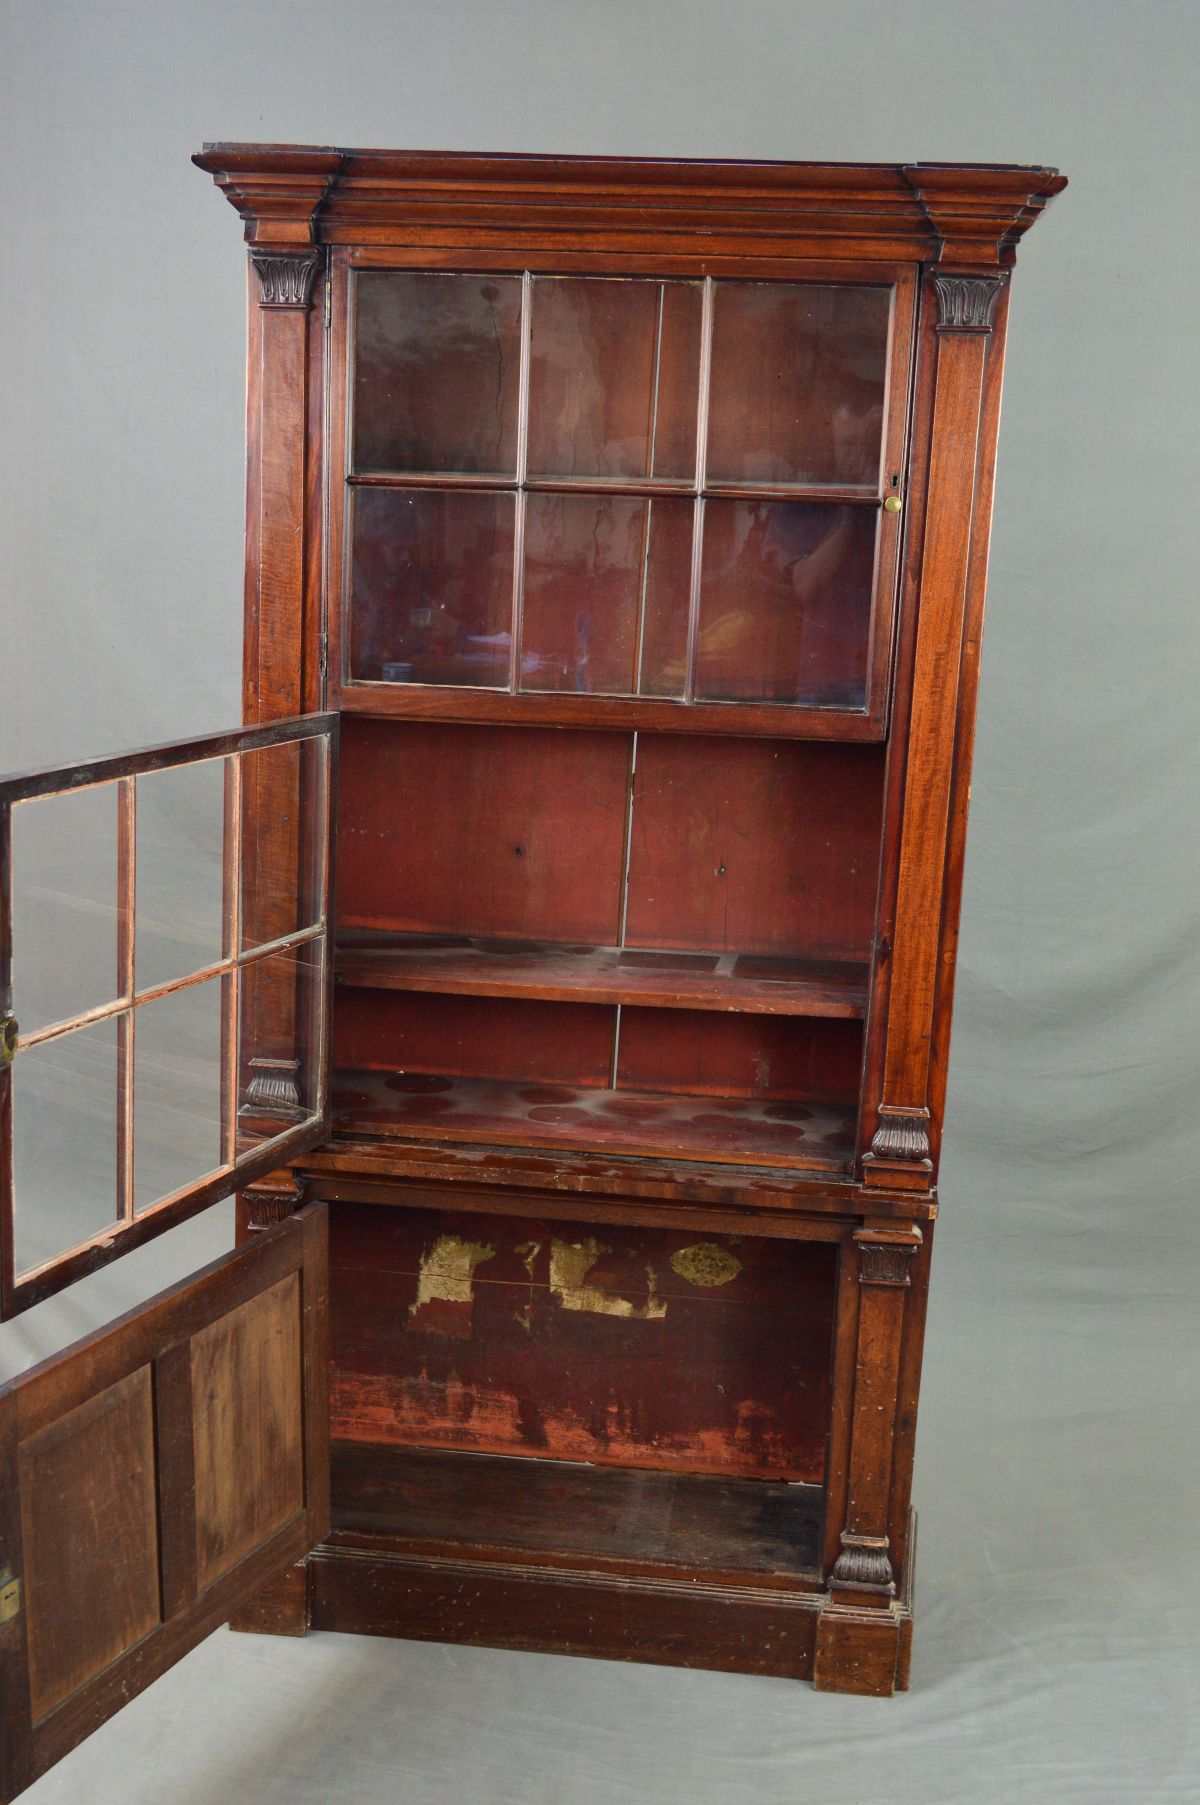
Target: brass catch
(9, 1035)
(10, 1598)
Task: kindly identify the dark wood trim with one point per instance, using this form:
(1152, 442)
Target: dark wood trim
(17, 1768)
(503, 1604)
(58, 779)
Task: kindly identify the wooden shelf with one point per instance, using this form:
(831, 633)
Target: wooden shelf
(835, 718)
(742, 1131)
(736, 982)
(571, 1514)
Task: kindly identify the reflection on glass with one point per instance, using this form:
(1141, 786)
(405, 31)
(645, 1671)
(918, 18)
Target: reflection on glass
(437, 366)
(432, 587)
(284, 813)
(280, 1044)
(593, 564)
(797, 383)
(613, 379)
(64, 928)
(785, 602)
(180, 871)
(64, 1110)
(177, 1091)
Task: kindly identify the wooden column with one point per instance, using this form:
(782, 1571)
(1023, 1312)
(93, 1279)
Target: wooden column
(275, 499)
(278, 653)
(276, 514)
(900, 1155)
(864, 1629)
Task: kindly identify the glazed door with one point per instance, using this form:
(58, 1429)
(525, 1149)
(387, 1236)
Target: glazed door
(164, 978)
(152, 1477)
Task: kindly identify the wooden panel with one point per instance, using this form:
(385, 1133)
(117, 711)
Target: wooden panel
(165, 1450)
(478, 1036)
(471, 830)
(248, 1430)
(755, 847)
(575, 1514)
(602, 974)
(741, 1131)
(89, 1524)
(771, 1058)
(648, 1348)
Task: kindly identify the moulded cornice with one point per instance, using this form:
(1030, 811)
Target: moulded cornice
(971, 215)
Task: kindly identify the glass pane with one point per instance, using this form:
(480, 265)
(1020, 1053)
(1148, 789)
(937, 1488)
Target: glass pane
(432, 587)
(437, 370)
(284, 816)
(280, 1051)
(785, 602)
(177, 1091)
(64, 1127)
(592, 563)
(797, 383)
(64, 861)
(614, 377)
(180, 872)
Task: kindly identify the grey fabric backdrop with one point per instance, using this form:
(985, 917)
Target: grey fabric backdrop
(1057, 1655)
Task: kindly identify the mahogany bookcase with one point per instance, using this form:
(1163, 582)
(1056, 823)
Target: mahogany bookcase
(568, 1001)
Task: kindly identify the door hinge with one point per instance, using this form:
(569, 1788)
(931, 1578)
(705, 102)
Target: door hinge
(328, 301)
(323, 656)
(9, 1036)
(10, 1598)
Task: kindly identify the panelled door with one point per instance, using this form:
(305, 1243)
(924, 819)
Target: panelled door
(153, 1477)
(164, 1005)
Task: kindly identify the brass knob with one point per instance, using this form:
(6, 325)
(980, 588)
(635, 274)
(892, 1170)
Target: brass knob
(891, 504)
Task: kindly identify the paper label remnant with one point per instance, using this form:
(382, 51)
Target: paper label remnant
(570, 1264)
(704, 1263)
(444, 1285)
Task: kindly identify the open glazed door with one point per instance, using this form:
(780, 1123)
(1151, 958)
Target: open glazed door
(152, 1478)
(164, 975)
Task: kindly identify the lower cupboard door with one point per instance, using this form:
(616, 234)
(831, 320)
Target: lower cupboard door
(152, 1477)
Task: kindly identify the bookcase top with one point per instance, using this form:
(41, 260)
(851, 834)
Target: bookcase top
(967, 215)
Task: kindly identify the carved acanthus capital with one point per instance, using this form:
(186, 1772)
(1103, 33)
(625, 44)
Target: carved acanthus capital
(901, 1134)
(966, 303)
(285, 277)
(270, 1201)
(864, 1565)
(274, 1088)
(884, 1262)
